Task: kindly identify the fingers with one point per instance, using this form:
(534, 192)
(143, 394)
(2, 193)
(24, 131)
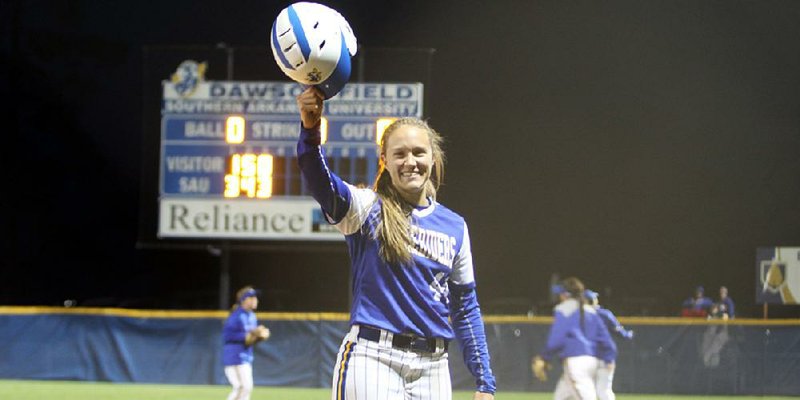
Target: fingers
(310, 104)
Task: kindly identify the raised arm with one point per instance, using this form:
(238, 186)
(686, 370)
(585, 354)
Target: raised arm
(327, 189)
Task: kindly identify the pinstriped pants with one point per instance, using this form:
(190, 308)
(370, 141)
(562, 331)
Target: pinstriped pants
(367, 370)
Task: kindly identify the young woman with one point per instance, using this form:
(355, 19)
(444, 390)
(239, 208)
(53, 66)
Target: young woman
(240, 333)
(411, 267)
(605, 371)
(580, 339)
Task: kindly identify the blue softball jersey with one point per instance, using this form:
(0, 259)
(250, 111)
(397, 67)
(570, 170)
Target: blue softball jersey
(569, 338)
(420, 298)
(234, 332)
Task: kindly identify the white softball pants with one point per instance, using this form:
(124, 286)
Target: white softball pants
(241, 378)
(578, 379)
(605, 378)
(368, 370)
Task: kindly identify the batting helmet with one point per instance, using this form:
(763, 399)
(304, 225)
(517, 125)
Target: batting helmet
(312, 44)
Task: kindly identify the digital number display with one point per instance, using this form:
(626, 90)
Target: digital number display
(228, 155)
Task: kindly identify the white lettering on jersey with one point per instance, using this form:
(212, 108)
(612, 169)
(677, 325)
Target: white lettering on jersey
(440, 290)
(434, 245)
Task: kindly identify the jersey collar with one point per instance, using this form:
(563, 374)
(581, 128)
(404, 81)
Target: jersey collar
(424, 211)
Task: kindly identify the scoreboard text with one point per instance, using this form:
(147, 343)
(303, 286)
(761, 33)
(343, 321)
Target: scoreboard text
(228, 159)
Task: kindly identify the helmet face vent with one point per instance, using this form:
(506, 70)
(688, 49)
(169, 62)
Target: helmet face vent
(321, 45)
(316, 25)
(285, 32)
(290, 46)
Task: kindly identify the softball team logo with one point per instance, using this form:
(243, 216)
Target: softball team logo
(188, 75)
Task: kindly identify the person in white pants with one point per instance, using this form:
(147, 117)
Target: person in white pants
(605, 371)
(580, 339)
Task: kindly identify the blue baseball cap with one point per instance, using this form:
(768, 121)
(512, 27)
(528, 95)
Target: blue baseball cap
(557, 289)
(249, 293)
(590, 294)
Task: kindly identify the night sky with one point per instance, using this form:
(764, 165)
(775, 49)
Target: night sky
(645, 147)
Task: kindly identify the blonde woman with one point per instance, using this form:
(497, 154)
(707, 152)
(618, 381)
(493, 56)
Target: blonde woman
(411, 267)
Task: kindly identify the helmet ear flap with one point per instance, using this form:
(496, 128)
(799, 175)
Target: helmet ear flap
(312, 44)
(349, 37)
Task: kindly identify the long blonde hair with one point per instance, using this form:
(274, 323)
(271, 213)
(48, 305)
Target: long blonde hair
(394, 231)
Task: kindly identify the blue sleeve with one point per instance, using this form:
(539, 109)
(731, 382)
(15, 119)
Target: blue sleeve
(555, 340)
(468, 327)
(731, 312)
(607, 349)
(613, 324)
(233, 331)
(328, 190)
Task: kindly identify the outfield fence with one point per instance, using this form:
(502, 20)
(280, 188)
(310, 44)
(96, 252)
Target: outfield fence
(667, 355)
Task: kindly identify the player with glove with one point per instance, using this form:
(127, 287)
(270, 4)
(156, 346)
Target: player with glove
(240, 332)
(605, 372)
(580, 339)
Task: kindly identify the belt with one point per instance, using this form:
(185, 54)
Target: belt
(403, 341)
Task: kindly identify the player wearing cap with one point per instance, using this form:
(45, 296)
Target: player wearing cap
(605, 372)
(411, 266)
(580, 339)
(240, 332)
(698, 305)
(724, 308)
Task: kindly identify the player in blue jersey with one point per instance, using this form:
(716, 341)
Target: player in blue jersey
(724, 308)
(240, 332)
(605, 372)
(698, 305)
(411, 268)
(579, 338)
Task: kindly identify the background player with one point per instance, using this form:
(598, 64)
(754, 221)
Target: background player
(239, 334)
(724, 307)
(605, 372)
(411, 266)
(698, 305)
(580, 339)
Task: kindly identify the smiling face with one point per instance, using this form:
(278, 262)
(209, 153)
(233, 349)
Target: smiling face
(408, 157)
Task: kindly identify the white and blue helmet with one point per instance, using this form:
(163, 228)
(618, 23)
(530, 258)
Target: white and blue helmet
(312, 44)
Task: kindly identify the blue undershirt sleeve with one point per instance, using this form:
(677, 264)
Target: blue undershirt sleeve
(468, 328)
(328, 190)
(555, 340)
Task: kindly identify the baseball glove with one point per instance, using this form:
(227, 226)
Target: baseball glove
(540, 367)
(256, 335)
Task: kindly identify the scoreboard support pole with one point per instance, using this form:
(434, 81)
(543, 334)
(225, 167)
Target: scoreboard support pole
(224, 275)
(225, 249)
(223, 252)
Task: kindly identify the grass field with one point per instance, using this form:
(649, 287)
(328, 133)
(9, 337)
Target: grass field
(56, 390)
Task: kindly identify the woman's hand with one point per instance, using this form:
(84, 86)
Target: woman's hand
(310, 105)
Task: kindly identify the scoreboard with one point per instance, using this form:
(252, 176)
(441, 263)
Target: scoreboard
(228, 167)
